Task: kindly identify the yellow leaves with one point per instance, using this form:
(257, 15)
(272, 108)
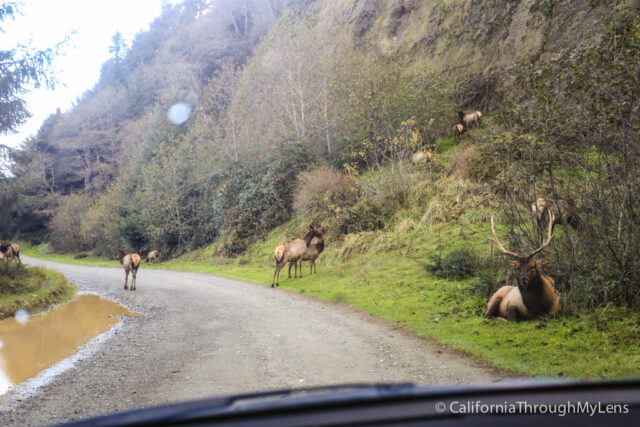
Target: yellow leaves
(351, 169)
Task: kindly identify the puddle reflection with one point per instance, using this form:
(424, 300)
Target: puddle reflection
(45, 339)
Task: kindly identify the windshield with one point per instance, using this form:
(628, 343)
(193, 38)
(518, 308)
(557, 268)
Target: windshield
(204, 198)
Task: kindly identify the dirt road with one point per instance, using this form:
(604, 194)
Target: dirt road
(204, 335)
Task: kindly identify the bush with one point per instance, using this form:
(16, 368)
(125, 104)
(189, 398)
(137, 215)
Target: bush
(363, 216)
(457, 265)
(66, 223)
(324, 190)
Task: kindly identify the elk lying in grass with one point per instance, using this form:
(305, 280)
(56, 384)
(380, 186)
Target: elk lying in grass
(470, 119)
(10, 251)
(421, 158)
(153, 256)
(291, 252)
(130, 262)
(562, 212)
(535, 293)
(311, 254)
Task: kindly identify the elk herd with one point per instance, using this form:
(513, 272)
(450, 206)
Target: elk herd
(466, 121)
(534, 293)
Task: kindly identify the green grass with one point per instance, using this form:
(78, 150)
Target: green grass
(42, 251)
(31, 288)
(387, 283)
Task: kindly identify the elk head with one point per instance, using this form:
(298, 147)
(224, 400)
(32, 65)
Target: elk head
(526, 266)
(121, 254)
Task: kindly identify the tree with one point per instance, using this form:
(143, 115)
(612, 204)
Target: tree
(119, 46)
(21, 69)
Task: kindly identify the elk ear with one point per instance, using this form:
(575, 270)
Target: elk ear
(512, 263)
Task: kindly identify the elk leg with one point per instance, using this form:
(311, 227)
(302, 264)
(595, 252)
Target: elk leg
(310, 267)
(278, 268)
(290, 270)
(315, 269)
(126, 279)
(134, 273)
(300, 267)
(274, 275)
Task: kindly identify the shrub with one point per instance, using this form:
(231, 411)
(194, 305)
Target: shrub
(457, 264)
(324, 190)
(364, 216)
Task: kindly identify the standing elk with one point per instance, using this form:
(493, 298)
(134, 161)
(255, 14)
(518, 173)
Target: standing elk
(458, 130)
(421, 158)
(153, 256)
(470, 119)
(562, 212)
(291, 252)
(311, 254)
(535, 293)
(130, 262)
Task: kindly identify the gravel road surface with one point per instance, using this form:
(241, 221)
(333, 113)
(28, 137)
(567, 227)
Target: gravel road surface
(204, 335)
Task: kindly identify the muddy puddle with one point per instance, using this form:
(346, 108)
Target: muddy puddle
(30, 345)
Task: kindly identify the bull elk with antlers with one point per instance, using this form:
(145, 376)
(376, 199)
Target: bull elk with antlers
(535, 293)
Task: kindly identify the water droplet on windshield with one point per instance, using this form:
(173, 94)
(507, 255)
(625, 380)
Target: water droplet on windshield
(22, 316)
(179, 113)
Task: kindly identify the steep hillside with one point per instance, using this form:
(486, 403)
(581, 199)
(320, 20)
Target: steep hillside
(485, 47)
(274, 87)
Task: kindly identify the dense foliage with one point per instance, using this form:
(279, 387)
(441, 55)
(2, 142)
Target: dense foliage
(578, 139)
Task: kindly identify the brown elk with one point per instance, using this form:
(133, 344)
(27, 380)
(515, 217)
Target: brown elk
(130, 262)
(153, 256)
(535, 293)
(562, 212)
(291, 252)
(312, 253)
(10, 251)
(458, 130)
(470, 119)
(421, 158)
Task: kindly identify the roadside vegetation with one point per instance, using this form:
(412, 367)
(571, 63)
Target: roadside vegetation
(31, 288)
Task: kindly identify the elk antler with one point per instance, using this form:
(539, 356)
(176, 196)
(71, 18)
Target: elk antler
(495, 240)
(549, 236)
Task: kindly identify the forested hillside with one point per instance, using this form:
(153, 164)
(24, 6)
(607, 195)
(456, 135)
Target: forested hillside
(315, 107)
